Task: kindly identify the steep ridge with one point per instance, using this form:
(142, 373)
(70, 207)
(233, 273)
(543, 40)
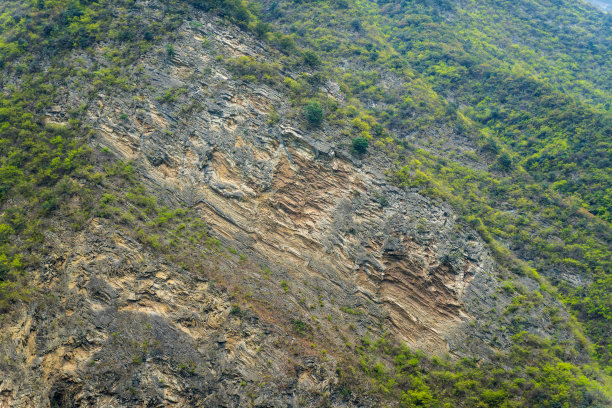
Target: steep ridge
(281, 195)
(327, 251)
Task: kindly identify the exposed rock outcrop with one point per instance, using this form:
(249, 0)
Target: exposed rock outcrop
(121, 327)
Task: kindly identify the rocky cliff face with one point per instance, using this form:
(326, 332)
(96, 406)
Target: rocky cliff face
(281, 192)
(331, 253)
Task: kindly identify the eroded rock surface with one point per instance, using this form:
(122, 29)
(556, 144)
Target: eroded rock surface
(282, 192)
(121, 327)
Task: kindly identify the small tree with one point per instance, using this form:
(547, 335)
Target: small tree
(505, 161)
(261, 29)
(312, 59)
(314, 113)
(360, 145)
(287, 43)
(170, 50)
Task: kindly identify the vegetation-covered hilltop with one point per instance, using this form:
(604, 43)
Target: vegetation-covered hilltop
(499, 108)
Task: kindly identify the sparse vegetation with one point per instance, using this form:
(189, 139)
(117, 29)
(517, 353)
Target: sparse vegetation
(360, 145)
(531, 177)
(313, 113)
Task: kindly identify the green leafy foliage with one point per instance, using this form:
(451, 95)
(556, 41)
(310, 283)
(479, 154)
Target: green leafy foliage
(311, 59)
(525, 84)
(525, 90)
(236, 10)
(251, 70)
(360, 145)
(540, 377)
(314, 113)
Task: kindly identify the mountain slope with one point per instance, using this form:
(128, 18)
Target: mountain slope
(143, 142)
(502, 144)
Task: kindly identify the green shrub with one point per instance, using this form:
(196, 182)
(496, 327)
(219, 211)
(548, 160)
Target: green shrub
(170, 50)
(287, 43)
(261, 29)
(312, 59)
(360, 145)
(313, 113)
(299, 326)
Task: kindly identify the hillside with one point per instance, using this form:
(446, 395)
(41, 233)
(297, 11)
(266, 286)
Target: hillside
(315, 203)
